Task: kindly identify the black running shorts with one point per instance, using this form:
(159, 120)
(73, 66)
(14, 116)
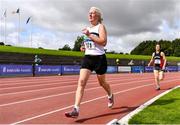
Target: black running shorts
(95, 63)
(158, 67)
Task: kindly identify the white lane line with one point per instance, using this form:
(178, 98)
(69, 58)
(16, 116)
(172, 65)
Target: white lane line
(55, 95)
(46, 84)
(33, 81)
(9, 82)
(54, 111)
(49, 88)
(113, 122)
(125, 119)
(60, 82)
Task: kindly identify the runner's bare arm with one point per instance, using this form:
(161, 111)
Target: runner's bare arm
(164, 58)
(151, 61)
(102, 39)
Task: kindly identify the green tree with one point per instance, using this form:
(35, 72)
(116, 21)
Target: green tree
(170, 48)
(2, 44)
(176, 47)
(40, 48)
(144, 48)
(66, 47)
(78, 43)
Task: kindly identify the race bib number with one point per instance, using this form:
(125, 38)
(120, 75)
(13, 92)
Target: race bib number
(90, 45)
(157, 61)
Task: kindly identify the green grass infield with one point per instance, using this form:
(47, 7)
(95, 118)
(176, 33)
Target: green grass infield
(165, 110)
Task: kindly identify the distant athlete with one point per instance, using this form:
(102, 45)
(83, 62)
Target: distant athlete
(159, 61)
(94, 59)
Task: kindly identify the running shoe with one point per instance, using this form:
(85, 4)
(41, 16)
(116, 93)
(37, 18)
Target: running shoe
(111, 101)
(158, 88)
(73, 114)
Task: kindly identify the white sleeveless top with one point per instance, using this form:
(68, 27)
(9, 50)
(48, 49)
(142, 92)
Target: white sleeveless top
(93, 48)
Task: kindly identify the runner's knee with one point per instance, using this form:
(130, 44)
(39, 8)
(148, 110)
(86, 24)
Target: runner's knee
(82, 83)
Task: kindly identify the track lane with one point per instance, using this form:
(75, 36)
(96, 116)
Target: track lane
(36, 107)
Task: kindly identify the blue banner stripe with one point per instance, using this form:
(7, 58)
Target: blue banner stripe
(7, 69)
(70, 69)
(47, 69)
(112, 69)
(15, 69)
(137, 69)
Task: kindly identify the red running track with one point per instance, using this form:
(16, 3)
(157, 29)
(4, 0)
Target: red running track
(43, 100)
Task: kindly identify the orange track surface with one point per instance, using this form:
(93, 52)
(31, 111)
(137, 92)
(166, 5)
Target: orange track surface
(43, 100)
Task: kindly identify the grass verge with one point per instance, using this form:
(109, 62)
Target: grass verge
(73, 53)
(165, 110)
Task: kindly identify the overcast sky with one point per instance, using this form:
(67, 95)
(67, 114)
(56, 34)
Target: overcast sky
(55, 23)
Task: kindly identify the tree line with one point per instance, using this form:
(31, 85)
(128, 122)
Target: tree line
(170, 48)
(77, 44)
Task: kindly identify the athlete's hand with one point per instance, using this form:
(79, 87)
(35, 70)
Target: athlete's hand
(163, 68)
(149, 64)
(86, 32)
(82, 48)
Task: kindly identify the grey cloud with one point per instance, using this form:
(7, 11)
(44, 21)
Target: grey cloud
(123, 18)
(138, 16)
(120, 16)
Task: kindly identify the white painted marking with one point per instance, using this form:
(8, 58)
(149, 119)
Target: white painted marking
(52, 88)
(59, 83)
(113, 122)
(55, 95)
(54, 111)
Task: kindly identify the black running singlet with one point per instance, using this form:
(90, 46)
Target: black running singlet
(158, 59)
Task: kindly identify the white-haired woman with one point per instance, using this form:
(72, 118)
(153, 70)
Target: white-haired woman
(94, 59)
